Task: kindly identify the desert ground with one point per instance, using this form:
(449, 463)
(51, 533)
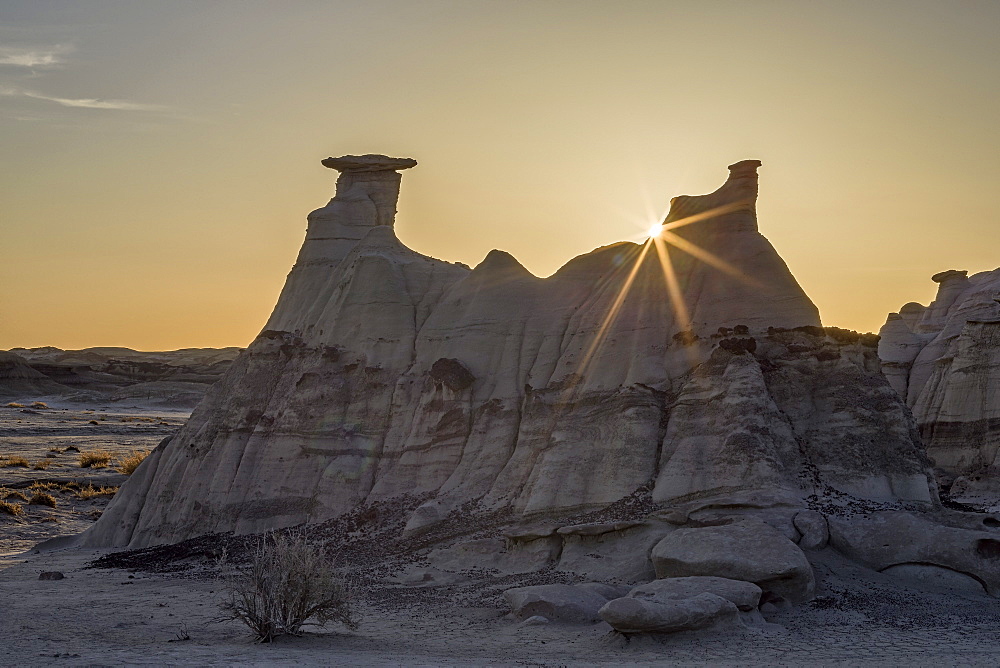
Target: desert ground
(135, 617)
(41, 445)
(160, 606)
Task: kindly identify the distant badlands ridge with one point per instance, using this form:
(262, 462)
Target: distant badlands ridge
(169, 379)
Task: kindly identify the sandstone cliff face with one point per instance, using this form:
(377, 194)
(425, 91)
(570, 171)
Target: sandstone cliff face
(694, 364)
(945, 361)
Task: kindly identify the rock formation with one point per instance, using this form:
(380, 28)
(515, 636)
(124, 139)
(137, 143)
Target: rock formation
(944, 360)
(693, 366)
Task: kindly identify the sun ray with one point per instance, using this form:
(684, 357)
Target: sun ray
(613, 311)
(673, 285)
(707, 215)
(707, 257)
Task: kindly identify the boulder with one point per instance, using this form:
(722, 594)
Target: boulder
(556, 602)
(744, 595)
(748, 550)
(636, 615)
(812, 525)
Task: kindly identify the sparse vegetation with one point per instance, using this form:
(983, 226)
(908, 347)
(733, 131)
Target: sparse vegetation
(11, 461)
(41, 405)
(8, 508)
(95, 459)
(41, 465)
(128, 463)
(56, 450)
(12, 494)
(42, 499)
(14, 404)
(288, 584)
(71, 448)
(39, 486)
(91, 492)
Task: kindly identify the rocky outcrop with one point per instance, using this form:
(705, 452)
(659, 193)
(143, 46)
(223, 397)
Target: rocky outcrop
(692, 365)
(682, 604)
(944, 359)
(749, 550)
(888, 541)
(560, 602)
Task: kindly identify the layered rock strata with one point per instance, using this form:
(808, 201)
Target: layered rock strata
(944, 360)
(692, 365)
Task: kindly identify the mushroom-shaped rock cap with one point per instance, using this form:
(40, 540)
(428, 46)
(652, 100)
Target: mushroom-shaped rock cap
(949, 275)
(744, 168)
(368, 163)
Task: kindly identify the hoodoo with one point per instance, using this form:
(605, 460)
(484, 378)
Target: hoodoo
(691, 370)
(944, 360)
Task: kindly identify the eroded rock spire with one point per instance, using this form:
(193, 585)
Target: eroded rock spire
(732, 207)
(371, 176)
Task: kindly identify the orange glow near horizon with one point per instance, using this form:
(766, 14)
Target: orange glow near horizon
(155, 197)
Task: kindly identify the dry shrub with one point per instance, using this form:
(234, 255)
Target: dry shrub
(55, 450)
(71, 448)
(14, 404)
(41, 465)
(91, 492)
(288, 584)
(8, 462)
(8, 508)
(42, 499)
(39, 486)
(12, 494)
(39, 404)
(127, 464)
(50, 518)
(95, 459)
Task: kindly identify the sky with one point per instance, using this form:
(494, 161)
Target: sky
(159, 159)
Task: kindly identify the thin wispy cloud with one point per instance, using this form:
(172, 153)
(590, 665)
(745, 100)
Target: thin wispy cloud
(94, 103)
(32, 57)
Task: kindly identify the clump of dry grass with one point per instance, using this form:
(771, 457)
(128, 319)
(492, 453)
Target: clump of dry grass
(91, 492)
(42, 499)
(71, 448)
(288, 584)
(14, 404)
(40, 405)
(70, 486)
(127, 464)
(11, 461)
(8, 508)
(39, 486)
(41, 465)
(50, 518)
(12, 494)
(95, 459)
(56, 450)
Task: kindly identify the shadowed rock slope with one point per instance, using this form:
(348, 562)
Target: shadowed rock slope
(692, 370)
(944, 360)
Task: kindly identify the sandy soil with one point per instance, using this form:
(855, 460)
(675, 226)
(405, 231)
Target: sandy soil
(116, 617)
